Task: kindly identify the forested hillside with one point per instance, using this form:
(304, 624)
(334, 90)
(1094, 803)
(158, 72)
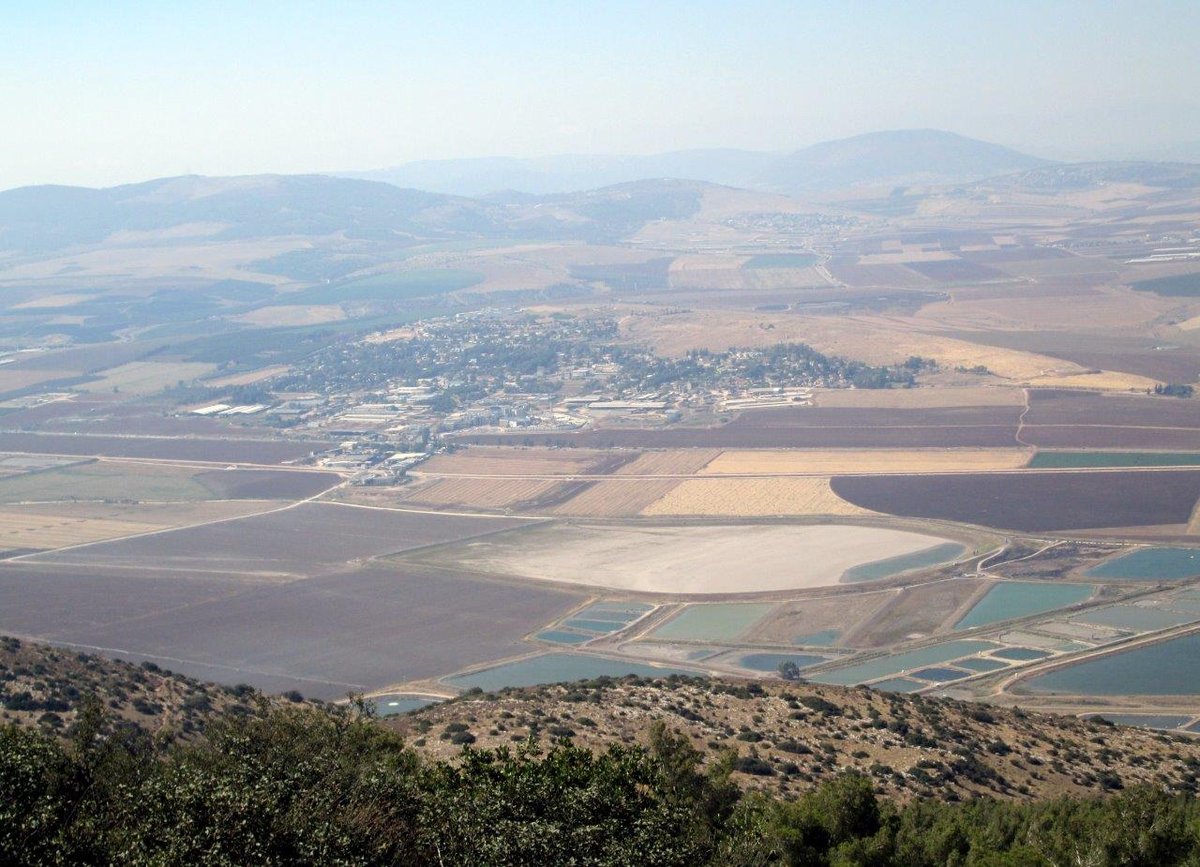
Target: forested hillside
(283, 782)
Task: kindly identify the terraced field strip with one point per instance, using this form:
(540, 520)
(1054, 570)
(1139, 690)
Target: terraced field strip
(681, 462)
(483, 493)
(752, 497)
(849, 461)
(616, 498)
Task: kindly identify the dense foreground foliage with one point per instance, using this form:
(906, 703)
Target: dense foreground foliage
(302, 785)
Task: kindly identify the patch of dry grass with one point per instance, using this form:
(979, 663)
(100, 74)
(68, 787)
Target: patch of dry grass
(753, 498)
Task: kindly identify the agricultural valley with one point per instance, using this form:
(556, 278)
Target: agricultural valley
(937, 439)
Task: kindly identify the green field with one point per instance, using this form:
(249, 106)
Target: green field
(99, 481)
(1178, 286)
(713, 622)
(1092, 460)
(396, 286)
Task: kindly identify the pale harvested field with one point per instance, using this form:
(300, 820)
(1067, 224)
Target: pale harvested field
(673, 462)
(483, 493)
(504, 461)
(840, 461)
(875, 340)
(291, 315)
(147, 377)
(65, 299)
(753, 498)
(1106, 379)
(615, 498)
(788, 623)
(918, 398)
(690, 560)
(26, 530)
(249, 377)
(11, 380)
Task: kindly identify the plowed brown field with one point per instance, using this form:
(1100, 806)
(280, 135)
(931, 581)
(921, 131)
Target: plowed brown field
(484, 493)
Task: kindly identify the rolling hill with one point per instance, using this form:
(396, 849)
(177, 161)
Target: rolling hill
(919, 156)
(897, 157)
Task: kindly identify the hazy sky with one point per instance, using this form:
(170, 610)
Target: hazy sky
(106, 92)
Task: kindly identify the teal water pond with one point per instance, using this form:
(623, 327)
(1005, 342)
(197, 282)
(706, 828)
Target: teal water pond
(561, 636)
(892, 665)
(772, 661)
(895, 565)
(714, 622)
(1151, 564)
(1021, 654)
(1012, 599)
(940, 675)
(1166, 668)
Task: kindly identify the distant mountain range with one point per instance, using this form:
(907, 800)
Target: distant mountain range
(874, 159)
(591, 199)
(172, 210)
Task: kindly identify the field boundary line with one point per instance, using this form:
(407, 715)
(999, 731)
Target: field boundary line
(431, 511)
(161, 530)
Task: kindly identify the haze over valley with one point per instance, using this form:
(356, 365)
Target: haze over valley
(804, 442)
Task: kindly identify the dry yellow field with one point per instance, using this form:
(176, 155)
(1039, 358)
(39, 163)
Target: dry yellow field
(672, 462)
(147, 377)
(873, 339)
(27, 530)
(753, 498)
(292, 314)
(482, 493)
(11, 380)
(508, 461)
(838, 461)
(249, 377)
(1108, 380)
(614, 499)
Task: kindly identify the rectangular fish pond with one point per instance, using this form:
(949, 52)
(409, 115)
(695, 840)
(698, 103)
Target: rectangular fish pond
(1166, 668)
(1150, 564)
(1012, 599)
(891, 666)
(890, 566)
(771, 661)
(713, 622)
